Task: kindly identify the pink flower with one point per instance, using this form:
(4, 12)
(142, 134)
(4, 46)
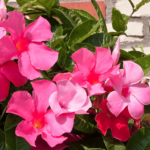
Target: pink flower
(3, 11)
(118, 125)
(93, 69)
(39, 120)
(25, 44)
(9, 72)
(128, 91)
(69, 97)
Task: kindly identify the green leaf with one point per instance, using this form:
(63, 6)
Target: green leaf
(12, 121)
(84, 15)
(117, 33)
(100, 16)
(144, 63)
(131, 4)
(118, 21)
(139, 5)
(84, 123)
(147, 109)
(9, 8)
(25, 6)
(146, 117)
(101, 40)
(113, 144)
(140, 140)
(15, 143)
(2, 140)
(136, 54)
(82, 31)
(126, 55)
(6, 1)
(84, 45)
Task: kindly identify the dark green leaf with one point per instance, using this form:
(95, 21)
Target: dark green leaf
(117, 33)
(147, 109)
(140, 140)
(57, 3)
(85, 45)
(101, 40)
(124, 17)
(12, 121)
(139, 5)
(136, 54)
(131, 4)
(2, 140)
(100, 16)
(9, 8)
(144, 62)
(6, 1)
(84, 123)
(82, 31)
(118, 22)
(126, 55)
(112, 143)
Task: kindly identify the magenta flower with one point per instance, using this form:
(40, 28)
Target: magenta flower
(128, 91)
(9, 72)
(25, 44)
(39, 120)
(69, 97)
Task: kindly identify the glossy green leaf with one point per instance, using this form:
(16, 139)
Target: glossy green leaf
(2, 140)
(9, 8)
(25, 6)
(136, 54)
(100, 16)
(126, 55)
(84, 15)
(101, 40)
(84, 123)
(118, 22)
(140, 140)
(132, 4)
(77, 46)
(117, 33)
(139, 5)
(144, 62)
(112, 143)
(12, 121)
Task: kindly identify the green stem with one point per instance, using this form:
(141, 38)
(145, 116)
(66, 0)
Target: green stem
(44, 74)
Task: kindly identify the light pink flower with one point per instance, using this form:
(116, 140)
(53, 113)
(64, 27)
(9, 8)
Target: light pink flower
(3, 11)
(9, 72)
(93, 69)
(69, 97)
(128, 91)
(39, 120)
(25, 44)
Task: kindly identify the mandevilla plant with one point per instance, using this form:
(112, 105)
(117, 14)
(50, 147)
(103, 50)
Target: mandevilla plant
(65, 83)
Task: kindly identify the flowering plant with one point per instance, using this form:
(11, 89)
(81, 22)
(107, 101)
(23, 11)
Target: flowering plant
(65, 83)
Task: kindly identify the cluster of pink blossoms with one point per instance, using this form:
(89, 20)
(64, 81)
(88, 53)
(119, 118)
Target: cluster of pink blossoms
(51, 109)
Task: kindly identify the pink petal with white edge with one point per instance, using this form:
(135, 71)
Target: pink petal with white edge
(116, 103)
(54, 104)
(21, 104)
(116, 52)
(42, 90)
(10, 70)
(52, 140)
(26, 130)
(103, 60)
(7, 49)
(15, 28)
(60, 124)
(95, 89)
(133, 73)
(26, 67)
(136, 109)
(41, 56)
(2, 32)
(3, 10)
(62, 76)
(4, 88)
(141, 92)
(38, 31)
(84, 60)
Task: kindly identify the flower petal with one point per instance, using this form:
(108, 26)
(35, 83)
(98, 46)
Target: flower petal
(42, 90)
(116, 103)
(60, 124)
(103, 60)
(7, 49)
(15, 28)
(2, 32)
(133, 73)
(62, 76)
(41, 56)
(26, 67)
(84, 59)
(10, 70)
(26, 130)
(4, 88)
(21, 104)
(135, 108)
(38, 31)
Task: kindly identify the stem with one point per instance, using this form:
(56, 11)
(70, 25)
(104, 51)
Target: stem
(44, 74)
(33, 13)
(134, 10)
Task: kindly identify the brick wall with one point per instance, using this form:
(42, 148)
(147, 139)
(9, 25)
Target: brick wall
(138, 26)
